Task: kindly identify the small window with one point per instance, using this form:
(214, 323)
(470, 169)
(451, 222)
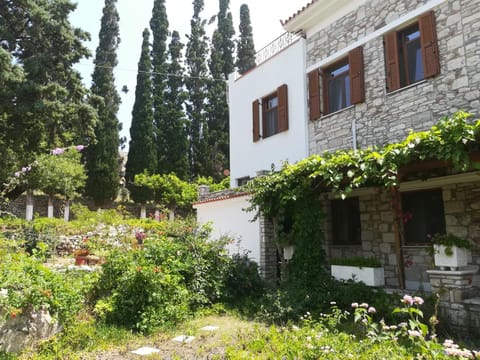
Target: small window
(411, 53)
(423, 216)
(338, 86)
(346, 228)
(243, 181)
(270, 115)
(274, 114)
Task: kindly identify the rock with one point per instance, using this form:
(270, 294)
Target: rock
(24, 330)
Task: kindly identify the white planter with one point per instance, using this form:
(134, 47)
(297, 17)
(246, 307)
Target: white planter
(369, 275)
(459, 257)
(288, 252)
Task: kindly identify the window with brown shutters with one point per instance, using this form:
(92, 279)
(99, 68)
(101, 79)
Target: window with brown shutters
(314, 94)
(342, 83)
(274, 114)
(411, 53)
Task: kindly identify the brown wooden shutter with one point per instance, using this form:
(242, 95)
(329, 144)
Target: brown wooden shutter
(314, 94)
(282, 93)
(256, 120)
(428, 41)
(391, 61)
(324, 76)
(355, 60)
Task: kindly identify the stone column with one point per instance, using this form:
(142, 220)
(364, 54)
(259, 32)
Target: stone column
(268, 251)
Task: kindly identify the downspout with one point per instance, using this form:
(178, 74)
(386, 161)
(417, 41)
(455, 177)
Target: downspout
(354, 135)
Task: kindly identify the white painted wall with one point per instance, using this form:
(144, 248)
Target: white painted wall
(228, 218)
(247, 157)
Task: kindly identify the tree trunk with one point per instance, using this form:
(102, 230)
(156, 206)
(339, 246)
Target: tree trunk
(66, 212)
(143, 211)
(29, 209)
(50, 206)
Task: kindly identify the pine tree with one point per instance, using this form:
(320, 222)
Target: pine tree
(221, 64)
(102, 156)
(245, 45)
(43, 103)
(196, 85)
(142, 150)
(159, 26)
(175, 130)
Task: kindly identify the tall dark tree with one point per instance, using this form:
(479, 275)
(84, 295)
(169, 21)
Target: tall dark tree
(175, 129)
(159, 26)
(142, 153)
(43, 103)
(245, 45)
(196, 83)
(221, 64)
(102, 156)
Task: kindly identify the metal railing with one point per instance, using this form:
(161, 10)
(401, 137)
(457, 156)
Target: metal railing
(277, 45)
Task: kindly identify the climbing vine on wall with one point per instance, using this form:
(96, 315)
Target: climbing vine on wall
(297, 186)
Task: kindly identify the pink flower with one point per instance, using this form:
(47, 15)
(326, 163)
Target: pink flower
(372, 310)
(414, 333)
(364, 305)
(58, 151)
(407, 299)
(17, 173)
(418, 300)
(80, 147)
(354, 305)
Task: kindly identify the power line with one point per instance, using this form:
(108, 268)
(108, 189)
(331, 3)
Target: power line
(152, 72)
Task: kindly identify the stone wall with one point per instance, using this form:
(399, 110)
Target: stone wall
(462, 215)
(269, 261)
(385, 118)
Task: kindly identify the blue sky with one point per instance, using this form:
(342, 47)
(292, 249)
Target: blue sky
(135, 16)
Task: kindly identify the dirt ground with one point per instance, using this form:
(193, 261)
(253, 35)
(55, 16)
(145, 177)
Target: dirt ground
(206, 345)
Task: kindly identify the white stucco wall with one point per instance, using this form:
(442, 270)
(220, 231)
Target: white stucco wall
(248, 157)
(228, 218)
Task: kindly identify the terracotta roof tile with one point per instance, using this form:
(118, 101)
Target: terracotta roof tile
(284, 22)
(221, 197)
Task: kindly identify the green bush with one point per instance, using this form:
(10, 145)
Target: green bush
(163, 282)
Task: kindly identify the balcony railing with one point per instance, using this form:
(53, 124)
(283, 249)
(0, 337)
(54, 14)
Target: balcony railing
(277, 45)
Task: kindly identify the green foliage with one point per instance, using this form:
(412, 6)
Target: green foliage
(357, 261)
(102, 155)
(168, 190)
(175, 275)
(175, 122)
(224, 184)
(450, 240)
(245, 45)
(31, 285)
(142, 154)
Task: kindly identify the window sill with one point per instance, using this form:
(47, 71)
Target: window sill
(417, 246)
(336, 112)
(407, 87)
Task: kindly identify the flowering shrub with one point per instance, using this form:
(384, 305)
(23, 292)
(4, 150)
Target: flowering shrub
(163, 282)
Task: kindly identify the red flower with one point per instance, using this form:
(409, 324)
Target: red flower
(139, 268)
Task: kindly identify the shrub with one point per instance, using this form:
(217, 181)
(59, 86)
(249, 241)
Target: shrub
(163, 282)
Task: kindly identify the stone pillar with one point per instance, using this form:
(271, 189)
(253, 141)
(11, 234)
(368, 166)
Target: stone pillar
(454, 288)
(268, 251)
(203, 190)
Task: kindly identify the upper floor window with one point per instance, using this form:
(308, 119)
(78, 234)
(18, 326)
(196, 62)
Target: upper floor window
(270, 115)
(337, 86)
(342, 85)
(423, 216)
(274, 114)
(411, 53)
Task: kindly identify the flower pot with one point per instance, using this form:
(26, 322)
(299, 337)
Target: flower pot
(288, 252)
(369, 275)
(458, 258)
(81, 260)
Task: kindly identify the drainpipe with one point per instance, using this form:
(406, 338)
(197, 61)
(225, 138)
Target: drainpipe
(354, 135)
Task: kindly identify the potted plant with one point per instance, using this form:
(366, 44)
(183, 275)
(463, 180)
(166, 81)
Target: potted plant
(81, 256)
(366, 269)
(451, 251)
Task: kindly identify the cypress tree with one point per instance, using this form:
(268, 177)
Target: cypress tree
(102, 156)
(196, 85)
(159, 26)
(221, 64)
(175, 121)
(142, 150)
(245, 45)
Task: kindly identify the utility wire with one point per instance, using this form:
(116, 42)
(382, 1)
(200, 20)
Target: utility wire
(153, 72)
